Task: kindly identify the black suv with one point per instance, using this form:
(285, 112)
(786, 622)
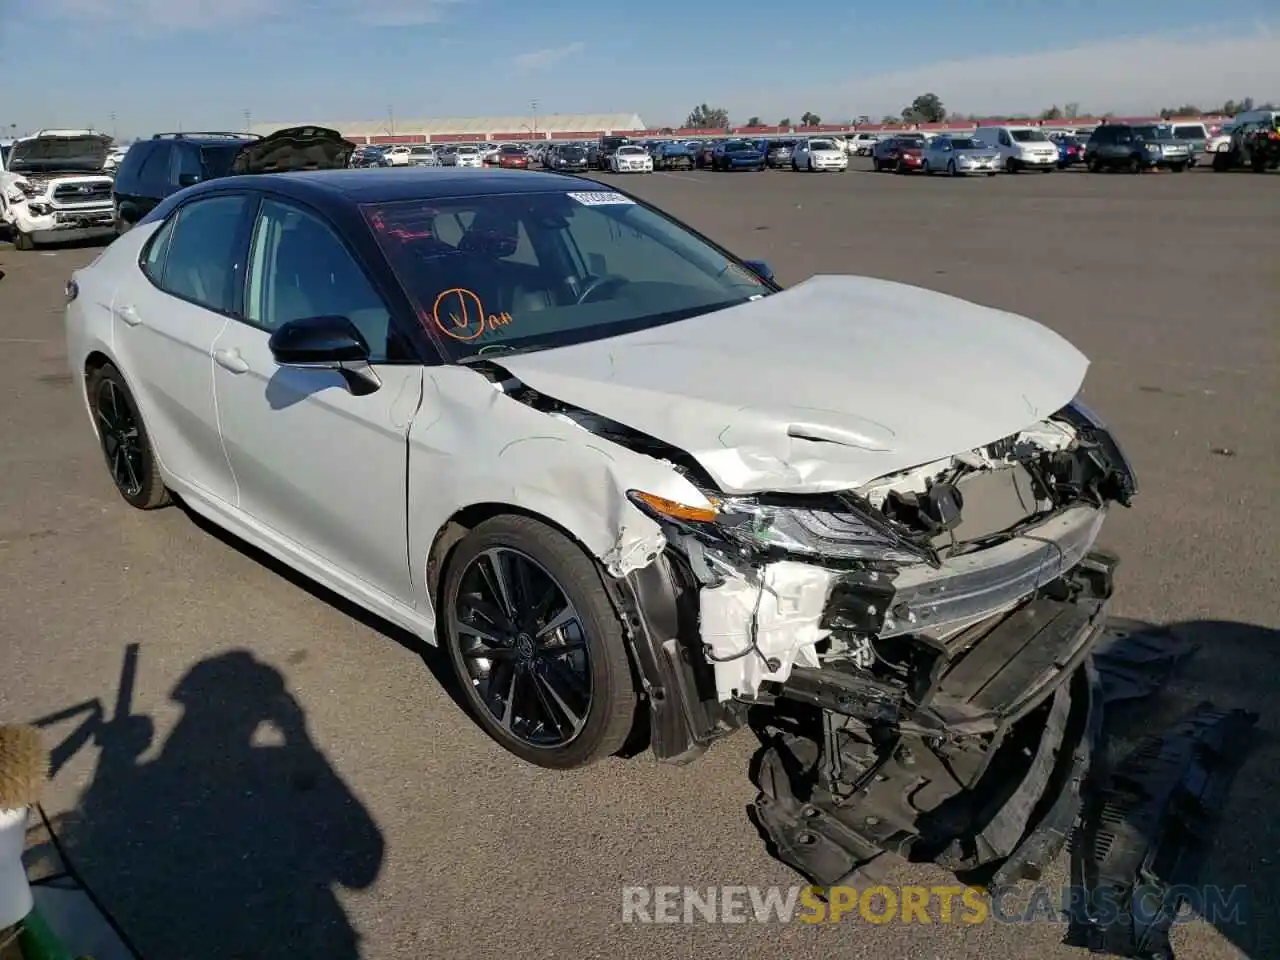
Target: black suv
(155, 168)
(168, 162)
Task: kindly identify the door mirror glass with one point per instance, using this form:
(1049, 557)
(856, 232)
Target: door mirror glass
(187, 179)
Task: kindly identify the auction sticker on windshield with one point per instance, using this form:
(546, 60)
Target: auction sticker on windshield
(600, 198)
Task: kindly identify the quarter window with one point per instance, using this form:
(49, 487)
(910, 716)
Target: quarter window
(153, 260)
(300, 269)
(202, 264)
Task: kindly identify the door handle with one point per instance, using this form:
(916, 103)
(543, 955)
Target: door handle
(231, 360)
(129, 315)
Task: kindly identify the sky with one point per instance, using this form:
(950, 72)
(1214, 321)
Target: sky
(132, 67)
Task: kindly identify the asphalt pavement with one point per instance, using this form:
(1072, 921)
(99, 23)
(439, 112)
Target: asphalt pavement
(292, 777)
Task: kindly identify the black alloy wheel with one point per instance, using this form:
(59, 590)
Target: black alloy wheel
(126, 446)
(536, 644)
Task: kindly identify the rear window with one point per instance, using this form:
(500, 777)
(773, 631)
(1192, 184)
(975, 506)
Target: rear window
(1191, 131)
(216, 160)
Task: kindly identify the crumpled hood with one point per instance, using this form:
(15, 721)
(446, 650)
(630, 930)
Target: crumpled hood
(824, 386)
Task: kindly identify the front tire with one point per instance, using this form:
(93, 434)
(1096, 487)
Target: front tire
(125, 443)
(536, 644)
(22, 241)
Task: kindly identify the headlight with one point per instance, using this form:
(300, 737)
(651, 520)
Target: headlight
(1084, 419)
(834, 530)
(30, 189)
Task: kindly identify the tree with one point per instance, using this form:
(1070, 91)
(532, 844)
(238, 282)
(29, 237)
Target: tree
(809, 119)
(1053, 113)
(1186, 110)
(926, 108)
(784, 122)
(754, 122)
(1071, 111)
(704, 117)
(888, 119)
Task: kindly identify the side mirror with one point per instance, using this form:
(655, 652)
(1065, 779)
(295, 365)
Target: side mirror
(187, 179)
(760, 269)
(326, 343)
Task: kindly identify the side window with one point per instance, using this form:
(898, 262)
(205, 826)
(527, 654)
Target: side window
(186, 163)
(129, 174)
(157, 247)
(201, 263)
(299, 269)
(1005, 141)
(155, 166)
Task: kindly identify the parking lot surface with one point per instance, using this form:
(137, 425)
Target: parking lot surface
(363, 814)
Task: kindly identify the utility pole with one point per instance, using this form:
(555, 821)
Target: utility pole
(114, 132)
(533, 106)
(391, 121)
(248, 120)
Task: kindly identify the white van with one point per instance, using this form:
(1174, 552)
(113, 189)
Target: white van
(1020, 148)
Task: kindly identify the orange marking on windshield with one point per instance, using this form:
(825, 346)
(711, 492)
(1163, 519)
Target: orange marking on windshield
(459, 314)
(456, 321)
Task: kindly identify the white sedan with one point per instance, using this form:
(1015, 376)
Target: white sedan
(545, 426)
(817, 154)
(631, 159)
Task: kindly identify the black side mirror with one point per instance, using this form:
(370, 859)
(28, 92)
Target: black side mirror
(326, 343)
(760, 269)
(187, 179)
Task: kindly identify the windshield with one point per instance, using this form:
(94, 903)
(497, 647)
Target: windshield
(1153, 132)
(610, 142)
(629, 151)
(1190, 132)
(511, 150)
(1028, 136)
(59, 154)
(466, 150)
(966, 143)
(739, 147)
(571, 151)
(538, 270)
(822, 145)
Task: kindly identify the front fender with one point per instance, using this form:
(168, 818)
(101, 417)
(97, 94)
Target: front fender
(472, 444)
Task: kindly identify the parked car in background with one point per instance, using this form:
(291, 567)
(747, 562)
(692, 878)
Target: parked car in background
(1020, 148)
(369, 155)
(1196, 136)
(421, 155)
(469, 156)
(779, 153)
(168, 162)
(398, 154)
(861, 144)
(816, 154)
(630, 158)
(729, 155)
(1070, 149)
(1136, 147)
(53, 187)
(512, 157)
(674, 155)
(901, 153)
(569, 158)
(607, 147)
(958, 157)
(1255, 143)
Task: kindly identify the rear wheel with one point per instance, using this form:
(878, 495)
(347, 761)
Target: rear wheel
(536, 644)
(126, 446)
(1135, 164)
(951, 169)
(1011, 165)
(1178, 167)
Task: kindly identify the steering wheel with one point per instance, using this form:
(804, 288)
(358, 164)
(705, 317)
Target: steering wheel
(610, 281)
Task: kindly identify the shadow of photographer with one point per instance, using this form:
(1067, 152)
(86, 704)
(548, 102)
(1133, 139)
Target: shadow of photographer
(232, 840)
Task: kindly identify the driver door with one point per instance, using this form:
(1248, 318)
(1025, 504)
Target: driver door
(322, 469)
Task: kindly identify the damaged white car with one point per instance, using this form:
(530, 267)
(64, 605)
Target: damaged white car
(53, 188)
(631, 485)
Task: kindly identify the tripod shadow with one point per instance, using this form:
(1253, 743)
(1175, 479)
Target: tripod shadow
(231, 841)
